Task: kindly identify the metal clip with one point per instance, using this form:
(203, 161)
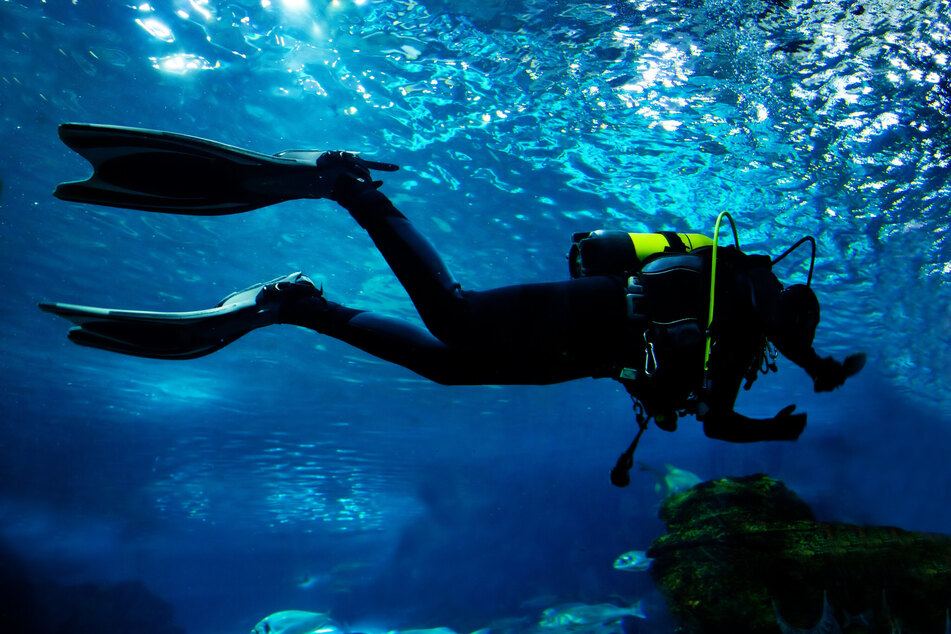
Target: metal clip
(639, 413)
(650, 359)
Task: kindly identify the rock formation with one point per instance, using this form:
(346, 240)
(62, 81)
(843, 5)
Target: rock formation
(747, 555)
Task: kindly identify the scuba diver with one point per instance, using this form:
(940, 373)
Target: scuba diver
(678, 321)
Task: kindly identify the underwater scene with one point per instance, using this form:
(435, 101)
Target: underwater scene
(302, 482)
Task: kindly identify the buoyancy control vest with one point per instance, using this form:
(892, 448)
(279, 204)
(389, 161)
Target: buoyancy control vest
(668, 277)
(671, 282)
(667, 299)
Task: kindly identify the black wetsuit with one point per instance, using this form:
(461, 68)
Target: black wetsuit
(529, 334)
(546, 333)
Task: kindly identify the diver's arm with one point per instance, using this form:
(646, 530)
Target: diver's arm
(368, 204)
(721, 422)
(826, 373)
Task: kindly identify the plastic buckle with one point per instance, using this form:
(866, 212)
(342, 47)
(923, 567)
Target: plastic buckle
(628, 374)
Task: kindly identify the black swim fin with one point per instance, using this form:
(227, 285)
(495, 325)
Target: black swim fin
(184, 335)
(174, 173)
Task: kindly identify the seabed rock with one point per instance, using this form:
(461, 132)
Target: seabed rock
(747, 555)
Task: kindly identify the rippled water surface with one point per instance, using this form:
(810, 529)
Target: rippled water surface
(227, 482)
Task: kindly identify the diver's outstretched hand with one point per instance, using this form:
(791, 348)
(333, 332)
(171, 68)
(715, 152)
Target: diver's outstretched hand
(830, 373)
(792, 425)
(353, 173)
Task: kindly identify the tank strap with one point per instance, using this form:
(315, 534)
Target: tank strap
(637, 309)
(676, 244)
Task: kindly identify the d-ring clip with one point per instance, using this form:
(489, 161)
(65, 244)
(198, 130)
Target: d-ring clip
(650, 359)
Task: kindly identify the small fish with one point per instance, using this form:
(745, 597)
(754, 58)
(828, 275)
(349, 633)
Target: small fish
(307, 582)
(633, 561)
(573, 616)
(297, 622)
(674, 481)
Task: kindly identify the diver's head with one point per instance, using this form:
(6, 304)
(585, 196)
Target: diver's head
(796, 317)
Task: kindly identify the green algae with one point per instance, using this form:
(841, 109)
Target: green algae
(739, 550)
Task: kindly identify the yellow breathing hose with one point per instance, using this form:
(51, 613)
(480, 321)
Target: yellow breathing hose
(713, 280)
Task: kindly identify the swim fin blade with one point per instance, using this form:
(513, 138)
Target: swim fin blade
(177, 335)
(145, 334)
(152, 170)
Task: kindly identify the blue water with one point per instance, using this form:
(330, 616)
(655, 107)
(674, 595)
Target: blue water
(226, 482)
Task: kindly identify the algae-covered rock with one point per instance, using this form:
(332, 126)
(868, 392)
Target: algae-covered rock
(740, 551)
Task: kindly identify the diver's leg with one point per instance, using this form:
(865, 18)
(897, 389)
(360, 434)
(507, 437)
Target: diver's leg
(386, 338)
(416, 349)
(529, 334)
(415, 262)
(402, 343)
(526, 334)
(527, 318)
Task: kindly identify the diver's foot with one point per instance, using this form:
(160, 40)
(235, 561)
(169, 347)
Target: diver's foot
(297, 298)
(349, 174)
(279, 300)
(287, 288)
(271, 292)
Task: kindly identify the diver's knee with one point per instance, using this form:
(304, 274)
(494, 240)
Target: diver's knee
(450, 320)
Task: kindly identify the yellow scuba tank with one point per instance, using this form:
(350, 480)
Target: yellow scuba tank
(606, 252)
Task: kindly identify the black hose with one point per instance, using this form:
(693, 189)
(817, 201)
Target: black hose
(812, 261)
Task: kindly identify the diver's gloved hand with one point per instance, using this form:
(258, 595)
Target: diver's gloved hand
(793, 424)
(829, 374)
(353, 173)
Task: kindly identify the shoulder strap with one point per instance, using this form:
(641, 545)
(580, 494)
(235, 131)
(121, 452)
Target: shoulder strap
(676, 244)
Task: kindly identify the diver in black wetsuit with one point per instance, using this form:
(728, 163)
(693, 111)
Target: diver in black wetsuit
(637, 316)
(559, 331)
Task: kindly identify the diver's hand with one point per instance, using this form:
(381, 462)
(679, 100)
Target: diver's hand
(854, 363)
(793, 423)
(352, 173)
(830, 374)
